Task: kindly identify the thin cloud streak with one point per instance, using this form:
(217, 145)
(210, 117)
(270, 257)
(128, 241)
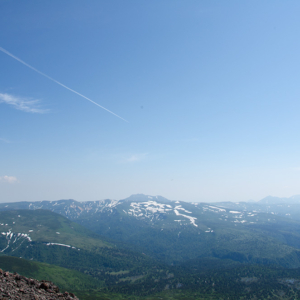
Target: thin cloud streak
(23, 104)
(52, 79)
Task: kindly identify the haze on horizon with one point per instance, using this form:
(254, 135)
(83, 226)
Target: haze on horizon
(210, 91)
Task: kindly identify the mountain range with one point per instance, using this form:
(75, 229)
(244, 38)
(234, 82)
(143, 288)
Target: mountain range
(147, 243)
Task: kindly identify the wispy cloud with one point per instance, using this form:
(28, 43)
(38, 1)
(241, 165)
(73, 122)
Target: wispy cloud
(137, 157)
(24, 104)
(8, 179)
(59, 83)
(5, 141)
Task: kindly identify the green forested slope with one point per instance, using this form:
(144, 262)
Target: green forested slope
(48, 237)
(65, 279)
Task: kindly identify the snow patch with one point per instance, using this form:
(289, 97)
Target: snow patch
(215, 207)
(57, 244)
(181, 208)
(192, 219)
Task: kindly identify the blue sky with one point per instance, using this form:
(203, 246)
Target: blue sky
(210, 90)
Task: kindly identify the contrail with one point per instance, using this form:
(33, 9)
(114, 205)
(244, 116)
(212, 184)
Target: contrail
(41, 73)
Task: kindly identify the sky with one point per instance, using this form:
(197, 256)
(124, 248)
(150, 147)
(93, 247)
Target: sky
(190, 100)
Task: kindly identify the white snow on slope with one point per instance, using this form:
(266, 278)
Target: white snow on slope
(151, 208)
(181, 208)
(57, 244)
(9, 235)
(215, 207)
(147, 209)
(62, 245)
(192, 219)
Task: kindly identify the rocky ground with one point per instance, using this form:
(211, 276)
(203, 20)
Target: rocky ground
(15, 286)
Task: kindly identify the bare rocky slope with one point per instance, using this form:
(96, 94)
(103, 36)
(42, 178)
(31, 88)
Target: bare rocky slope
(15, 286)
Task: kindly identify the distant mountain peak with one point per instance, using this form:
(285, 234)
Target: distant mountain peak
(145, 198)
(278, 200)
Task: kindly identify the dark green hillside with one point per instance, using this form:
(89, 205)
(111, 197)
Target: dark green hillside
(172, 232)
(242, 282)
(262, 243)
(65, 279)
(46, 226)
(222, 270)
(48, 237)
